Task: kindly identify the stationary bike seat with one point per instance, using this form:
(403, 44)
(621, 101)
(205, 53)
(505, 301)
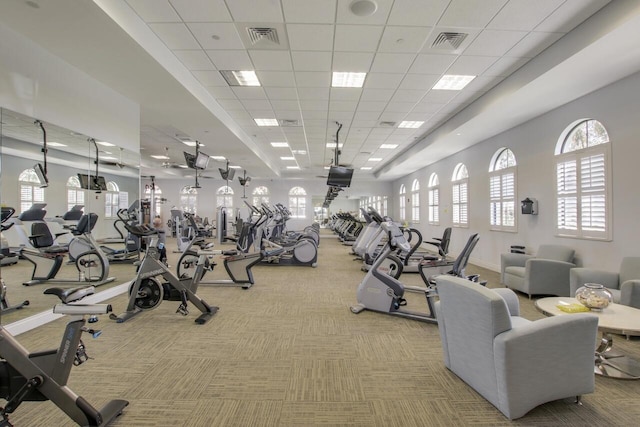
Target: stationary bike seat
(68, 295)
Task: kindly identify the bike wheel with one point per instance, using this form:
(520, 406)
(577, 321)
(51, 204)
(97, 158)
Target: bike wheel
(187, 265)
(91, 266)
(150, 294)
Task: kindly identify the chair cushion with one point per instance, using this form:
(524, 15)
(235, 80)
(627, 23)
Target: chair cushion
(555, 252)
(515, 271)
(629, 269)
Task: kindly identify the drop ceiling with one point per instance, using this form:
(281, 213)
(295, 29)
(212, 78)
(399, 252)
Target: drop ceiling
(404, 47)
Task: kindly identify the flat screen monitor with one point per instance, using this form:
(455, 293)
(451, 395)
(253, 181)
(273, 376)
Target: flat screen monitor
(227, 174)
(190, 159)
(202, 160)
(339, 176)
(44, 181)
(89, 182)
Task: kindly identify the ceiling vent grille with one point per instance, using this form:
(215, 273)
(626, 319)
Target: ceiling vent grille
(448, 40)
(289, 123)
(387, 124)
(260, 34)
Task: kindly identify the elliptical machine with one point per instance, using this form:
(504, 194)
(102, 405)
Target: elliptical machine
(146, 292)
(26, 377)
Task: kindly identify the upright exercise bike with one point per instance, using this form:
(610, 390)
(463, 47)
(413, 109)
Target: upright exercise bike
(146, 292)
(26, 377)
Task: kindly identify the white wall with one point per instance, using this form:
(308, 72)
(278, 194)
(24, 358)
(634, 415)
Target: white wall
(533, 143)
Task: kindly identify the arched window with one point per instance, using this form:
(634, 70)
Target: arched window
(224, 198)
(189, 199)
(502, 191)
(157, 194)
(415, 201)
(75, 193)
(403, 202)
(30, 191)
(298, 202)
(460, 186)
(583, 181)
(434, 199)
(260, 195)
(385, 206)
(111, 200)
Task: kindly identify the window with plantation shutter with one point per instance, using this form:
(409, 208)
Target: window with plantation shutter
(112, 200)
(583, 182)
(460, 205)
(298, 202)
(75, 193)
(434, 199)
(189, 199)
(502, 191)
(30, 191)
(403, 203)
(415, 201)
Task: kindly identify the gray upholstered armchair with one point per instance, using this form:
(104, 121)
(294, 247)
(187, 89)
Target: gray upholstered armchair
(547, 273)
(624, 286)
(512, 362)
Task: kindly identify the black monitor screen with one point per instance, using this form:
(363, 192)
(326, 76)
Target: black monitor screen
(190, 159)
(92, 183)
(202, 161)
(339, 176)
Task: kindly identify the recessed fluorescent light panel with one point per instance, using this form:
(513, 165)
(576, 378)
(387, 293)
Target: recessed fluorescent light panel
(218, 158)
(192, 143)
(389, 146)
(280, 144)
(235, 167)
(287, 158)
(108, 158)
(375, 159)
(160, 157)
(410, 124)
(266, 122)
(303, 152)
(333, 145)
(293, 167)
(241, 78)
(341, 79)
(453, 82)
(56, 144)
(366, 168)
(105, 144)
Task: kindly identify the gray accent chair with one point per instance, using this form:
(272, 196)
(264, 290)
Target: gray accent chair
(624, 286)
(514, 363)
(546, 273)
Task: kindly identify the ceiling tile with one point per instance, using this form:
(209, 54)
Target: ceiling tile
(256, 104)
(276, 78)
(376, 106)
(476, 14)
(288, 115)
(533, 44)
(316, 123)
(483, 83)
(175, 36)
(209, 78)
(523, 15)
(311, 61)
(314, 115)
(345, 93)
(419, 81)
(357, 38)
(364, 123)
(231, 104)
(240, 115)
(314, 105)
(392, 116)
(440, 96)
(285, 105)
(570, 14)
(252, 11)
(383, 80)
(313, 79)
(154, 10)
(469, 65)
(310, 37)
(352, 61)
(392, 62)
(313, 93)
(309, 11)
(431, 64)
(343, 105)
(226, 34)
(417, 12)
(202, 10)
(412, 96)
(281, 93)
(271, 60)
(505, 66)
(345, 16)
(194, 59)
(377, 94)
(494, 42)
(426, 107)
(403, 39)
(221, 92)
(366, 115)
(230, 59)
(342, 116)
(399, 107)
(246, 92)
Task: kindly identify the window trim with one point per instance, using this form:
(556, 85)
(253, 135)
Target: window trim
(456, 182)
(434, 208)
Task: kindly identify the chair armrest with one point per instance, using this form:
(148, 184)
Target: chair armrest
(630, 293)
(580, 275)
(512, 260)
(548, 277)
(510, 297)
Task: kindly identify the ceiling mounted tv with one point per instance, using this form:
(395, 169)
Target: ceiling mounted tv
(190, 159)
(202, 160)
(95, 183)
(339, 176)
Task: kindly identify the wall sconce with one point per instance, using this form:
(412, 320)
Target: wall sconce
(529, 206)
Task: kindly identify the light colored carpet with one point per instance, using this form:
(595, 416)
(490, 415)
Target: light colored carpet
(288, 352)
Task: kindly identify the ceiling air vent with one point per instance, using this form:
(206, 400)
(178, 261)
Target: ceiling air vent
(289, 123)
(387, 124)
(260, 34)
(448, 40)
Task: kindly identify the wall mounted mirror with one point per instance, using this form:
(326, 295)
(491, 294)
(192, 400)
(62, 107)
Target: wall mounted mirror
(73, 189)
